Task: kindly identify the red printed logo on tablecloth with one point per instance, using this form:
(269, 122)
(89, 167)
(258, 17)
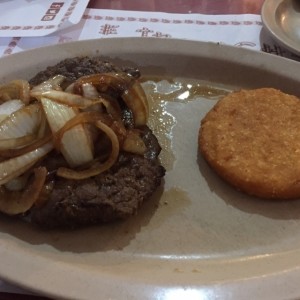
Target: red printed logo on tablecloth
(52, 12)
(146, 32)
(89, 17)
(170, 21)
(159, 34)
(108, 29)
(277, 50)
(245, 44)
(273, 49)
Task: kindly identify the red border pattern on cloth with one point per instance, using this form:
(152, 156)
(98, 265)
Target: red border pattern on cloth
(13, 43)
(169, 21)
(111, 29)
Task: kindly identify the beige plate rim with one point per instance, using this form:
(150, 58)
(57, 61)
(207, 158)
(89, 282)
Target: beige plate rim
(164, 277)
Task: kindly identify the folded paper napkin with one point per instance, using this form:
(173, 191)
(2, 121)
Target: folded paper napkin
(46, 16)
(238, 30)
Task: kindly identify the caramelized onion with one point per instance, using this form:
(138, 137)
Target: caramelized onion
(97, 167)
(112, 107)
(71, 100)
(18, 183)
(76, 145)
(14, 167)
(89, 91)
(104, 81)
(20, 151)
(13, 203)
(134, 143)
(9, 107)
(16, 142)
(23, 122)
(44, 128)
(44, 194)
(135, 99)
(16, 89)
(130, 90)
(91, 117)
(53, 83)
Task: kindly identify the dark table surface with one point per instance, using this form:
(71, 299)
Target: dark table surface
(183, 6)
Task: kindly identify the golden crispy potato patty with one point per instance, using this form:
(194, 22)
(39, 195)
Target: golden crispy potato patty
(251, 138)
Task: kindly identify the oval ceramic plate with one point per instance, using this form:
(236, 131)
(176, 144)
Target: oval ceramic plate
(282, 19)
(198, 238)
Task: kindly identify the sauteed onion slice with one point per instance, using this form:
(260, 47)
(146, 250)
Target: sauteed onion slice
(72, 100)
(76, 145)
(97, 167)
(12, 143)
(13, 203)
(105, 124)
(25, 122)
(20, 151)
(16, 89)
(53, 83)
(128, 87)
(9, 107)
(16, 166)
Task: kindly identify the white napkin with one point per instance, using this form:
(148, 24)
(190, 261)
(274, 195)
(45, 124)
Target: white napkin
(38, 17)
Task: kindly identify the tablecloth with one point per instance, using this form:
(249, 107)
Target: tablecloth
(238, 30)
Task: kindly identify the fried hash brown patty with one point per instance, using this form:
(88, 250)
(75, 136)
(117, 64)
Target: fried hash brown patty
(251, 138)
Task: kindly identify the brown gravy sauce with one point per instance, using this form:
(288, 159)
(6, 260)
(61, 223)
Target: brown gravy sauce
(160, 91)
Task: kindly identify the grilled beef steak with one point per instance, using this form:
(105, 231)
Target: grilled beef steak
(74, 68)
(114, 194)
